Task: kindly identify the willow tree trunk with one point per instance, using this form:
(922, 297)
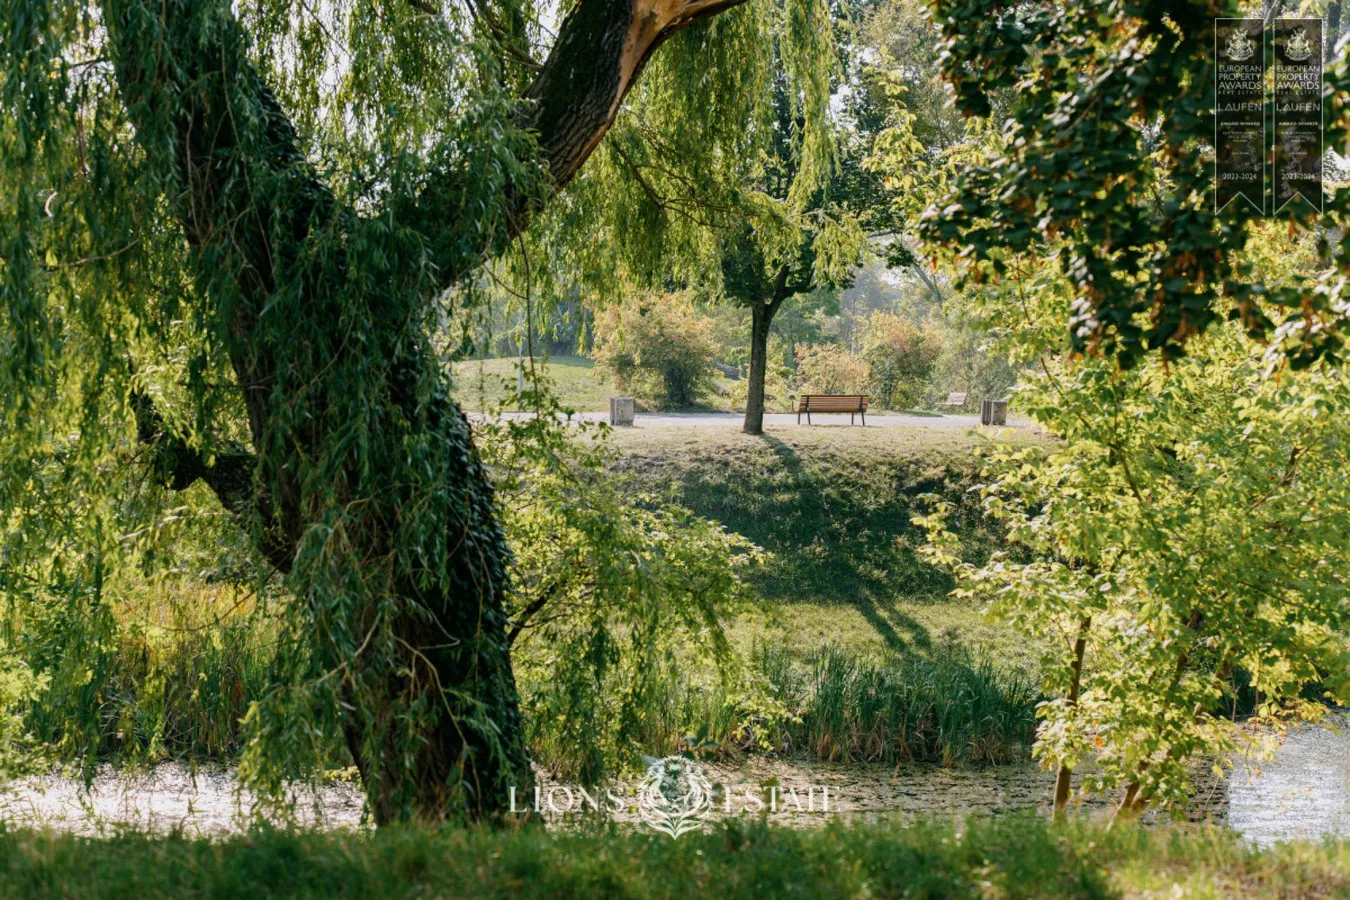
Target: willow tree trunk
(431, 711)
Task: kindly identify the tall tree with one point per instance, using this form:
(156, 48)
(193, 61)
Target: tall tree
(231, 232)
(795, 237)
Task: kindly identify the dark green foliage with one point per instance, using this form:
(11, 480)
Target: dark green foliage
(1108, 163)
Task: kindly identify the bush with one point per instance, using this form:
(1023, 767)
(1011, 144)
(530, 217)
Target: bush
(609, 589)
(968, 363)
(658, 348)
(900, 357)
(830, 369)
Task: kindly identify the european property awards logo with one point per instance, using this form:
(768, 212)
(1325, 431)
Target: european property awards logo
(1240, 47)
(1268, 138)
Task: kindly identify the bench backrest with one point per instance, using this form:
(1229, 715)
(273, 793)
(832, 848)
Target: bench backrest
(832, 403)
(955, 399)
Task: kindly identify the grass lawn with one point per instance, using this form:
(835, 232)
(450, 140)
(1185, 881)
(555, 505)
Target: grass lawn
(482, 384)
(834, 506)
(1010, 857)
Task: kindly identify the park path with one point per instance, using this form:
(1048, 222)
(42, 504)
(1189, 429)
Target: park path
(771, 420)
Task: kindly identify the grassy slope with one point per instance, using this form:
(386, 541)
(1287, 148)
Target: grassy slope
(834, 507)
(1008, 857)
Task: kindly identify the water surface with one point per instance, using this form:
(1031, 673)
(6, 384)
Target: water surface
(1304, 792)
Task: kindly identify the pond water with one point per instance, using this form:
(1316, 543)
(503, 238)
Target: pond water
(1304, 792)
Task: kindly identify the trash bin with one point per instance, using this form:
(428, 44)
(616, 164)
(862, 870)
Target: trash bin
(621, 410)
(993, 412)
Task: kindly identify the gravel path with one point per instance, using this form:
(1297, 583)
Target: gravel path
(774, 420)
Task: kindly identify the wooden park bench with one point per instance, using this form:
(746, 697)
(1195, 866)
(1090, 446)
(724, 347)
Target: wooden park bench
(853, 404)
(955, 400)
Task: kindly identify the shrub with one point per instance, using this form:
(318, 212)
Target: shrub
(659, 348)
(830, 369)
(610, 589)
(968, 362)
(900, 357)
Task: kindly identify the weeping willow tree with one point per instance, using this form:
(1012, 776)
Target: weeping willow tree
(231, 237)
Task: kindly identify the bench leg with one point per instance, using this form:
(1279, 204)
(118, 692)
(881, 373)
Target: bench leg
(864, 418)
(851, 420)
(808, 417)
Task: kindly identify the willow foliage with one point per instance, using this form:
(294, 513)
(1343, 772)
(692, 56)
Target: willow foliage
(673, 177)
(231, 239)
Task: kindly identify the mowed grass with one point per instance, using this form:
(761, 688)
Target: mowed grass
(1007, 857)
(835, 507)
(485, 384)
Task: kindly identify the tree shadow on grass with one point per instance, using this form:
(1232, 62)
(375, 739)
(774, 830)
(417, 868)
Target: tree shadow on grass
(838, 523)
(840, 570)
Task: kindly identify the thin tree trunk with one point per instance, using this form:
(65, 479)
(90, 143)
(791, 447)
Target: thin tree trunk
(760, 319)
(1129, 807)
(1136, 800)
(1064, 778)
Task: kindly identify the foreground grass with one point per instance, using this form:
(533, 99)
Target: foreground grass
(1000, 857)
(835, 508)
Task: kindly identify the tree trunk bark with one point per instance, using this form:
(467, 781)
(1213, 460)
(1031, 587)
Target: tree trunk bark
(413, 625)
(1064, 777)
(760, 319)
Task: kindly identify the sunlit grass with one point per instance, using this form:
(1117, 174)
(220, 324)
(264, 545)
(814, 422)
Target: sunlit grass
(484, 384)
(835, 508)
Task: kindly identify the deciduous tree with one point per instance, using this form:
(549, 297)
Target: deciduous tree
(232, 232)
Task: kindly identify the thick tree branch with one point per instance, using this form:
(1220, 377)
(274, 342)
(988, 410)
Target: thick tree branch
(602, 47)
(228, 473)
